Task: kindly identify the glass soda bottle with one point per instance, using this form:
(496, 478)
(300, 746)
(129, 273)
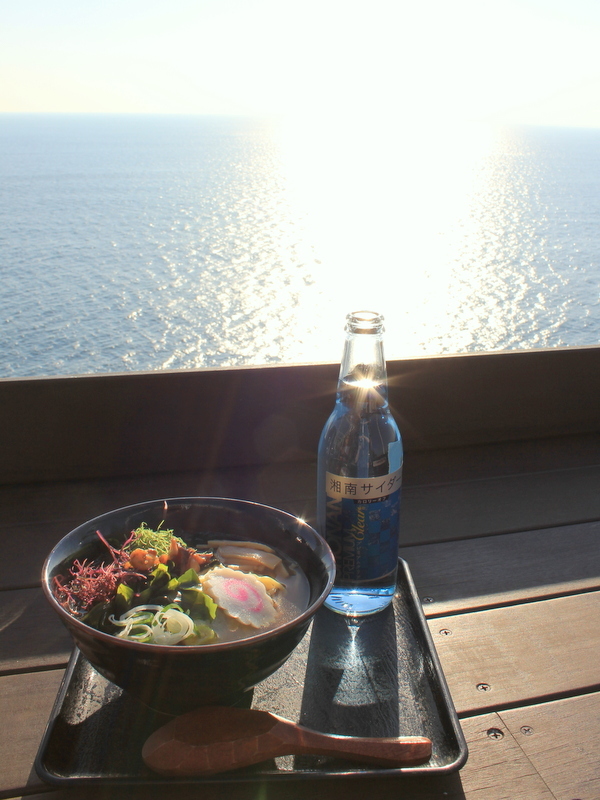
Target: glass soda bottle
(360, 475)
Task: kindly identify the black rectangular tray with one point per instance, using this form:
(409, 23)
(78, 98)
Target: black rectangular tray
(377, 676)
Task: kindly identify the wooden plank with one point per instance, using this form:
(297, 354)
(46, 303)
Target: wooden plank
(279, 481)
(50, 795)
(498, 459)
(497, 570)
(562, 740)
(497, 768)
(31, 634)
(288, 482)
(520, 654)
(25, 550)
(511, 503)
(36, 516)
(448, 467)
(116, 425)
(25, 704)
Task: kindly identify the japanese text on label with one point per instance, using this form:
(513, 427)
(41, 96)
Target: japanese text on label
(363, 489)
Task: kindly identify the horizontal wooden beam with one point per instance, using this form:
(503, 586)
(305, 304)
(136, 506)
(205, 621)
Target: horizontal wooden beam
(142, 423)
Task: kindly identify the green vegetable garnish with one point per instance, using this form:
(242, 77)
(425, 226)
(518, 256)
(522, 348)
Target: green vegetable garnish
(126, 592)
(158, 580)
(189, 578)
(145, 538)
(202, 635)
(198, 603)
(98, 615)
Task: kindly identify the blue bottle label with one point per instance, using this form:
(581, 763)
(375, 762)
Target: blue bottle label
(362, 524)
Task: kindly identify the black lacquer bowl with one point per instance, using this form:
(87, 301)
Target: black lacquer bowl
(174, 679)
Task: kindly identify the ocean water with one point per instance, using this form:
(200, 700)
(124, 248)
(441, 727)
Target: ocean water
(133, 242)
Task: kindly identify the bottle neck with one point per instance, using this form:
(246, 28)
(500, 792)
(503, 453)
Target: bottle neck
(363, 375)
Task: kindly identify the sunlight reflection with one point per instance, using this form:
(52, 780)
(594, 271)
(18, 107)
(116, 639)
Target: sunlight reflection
(246, 243)
(387, 209)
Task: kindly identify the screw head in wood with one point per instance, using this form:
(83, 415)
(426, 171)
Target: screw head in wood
(526, 730)
(495, 733)
(483, 687)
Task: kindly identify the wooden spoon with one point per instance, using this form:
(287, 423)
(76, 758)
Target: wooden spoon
(218, 738)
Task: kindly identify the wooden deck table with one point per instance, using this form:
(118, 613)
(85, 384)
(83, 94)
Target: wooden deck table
(500, 528)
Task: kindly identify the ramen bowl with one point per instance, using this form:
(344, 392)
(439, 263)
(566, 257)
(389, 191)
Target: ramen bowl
(177, 678)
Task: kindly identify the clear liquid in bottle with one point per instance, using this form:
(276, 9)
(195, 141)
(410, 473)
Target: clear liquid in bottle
(360, 476)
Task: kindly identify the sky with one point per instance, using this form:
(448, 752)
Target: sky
(435, 61)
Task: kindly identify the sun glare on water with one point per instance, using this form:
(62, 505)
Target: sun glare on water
(385, 208)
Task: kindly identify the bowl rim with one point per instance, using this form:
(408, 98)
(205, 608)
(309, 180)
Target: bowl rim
(215, 647)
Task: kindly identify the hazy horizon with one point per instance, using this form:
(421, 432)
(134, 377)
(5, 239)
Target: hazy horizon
(515, 62)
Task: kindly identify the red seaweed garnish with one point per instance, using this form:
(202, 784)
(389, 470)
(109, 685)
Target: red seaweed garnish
(88, 584)
(91, 582)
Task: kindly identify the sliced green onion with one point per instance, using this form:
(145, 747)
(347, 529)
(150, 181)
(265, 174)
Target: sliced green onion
(171, 626)
(139, 609)
(155, 624)
(143, 633)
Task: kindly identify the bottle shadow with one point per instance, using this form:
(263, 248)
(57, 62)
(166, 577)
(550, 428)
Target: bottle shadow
(351, 682)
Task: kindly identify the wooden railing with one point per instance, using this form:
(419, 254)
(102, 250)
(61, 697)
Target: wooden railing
(156, 422)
